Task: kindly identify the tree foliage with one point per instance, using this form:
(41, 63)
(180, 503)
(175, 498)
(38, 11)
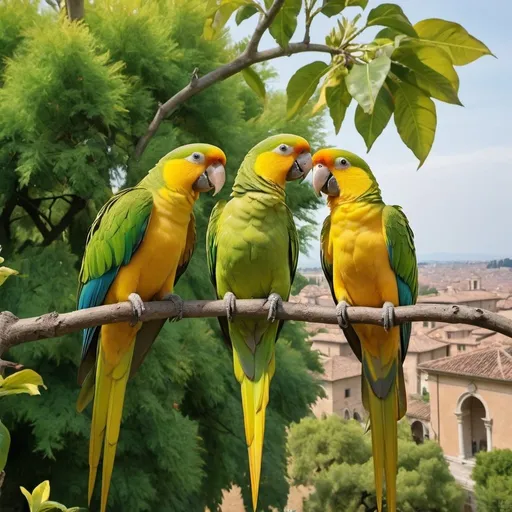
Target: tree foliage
(398, 73)
(506, 262)
(493, 478)
(74, 100)
(335, 457)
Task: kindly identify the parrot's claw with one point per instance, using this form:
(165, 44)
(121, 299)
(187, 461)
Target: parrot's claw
(341, 314)
(230, 302)
(178, 302)
(388, 315)
(138, 307)
(274, 300)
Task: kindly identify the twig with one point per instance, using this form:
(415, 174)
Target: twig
(14, 331)
(243, 61)
(264, 23)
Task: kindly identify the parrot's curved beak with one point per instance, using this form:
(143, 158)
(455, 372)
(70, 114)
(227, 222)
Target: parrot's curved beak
(213, 177)
(300, 167)
(324, 181)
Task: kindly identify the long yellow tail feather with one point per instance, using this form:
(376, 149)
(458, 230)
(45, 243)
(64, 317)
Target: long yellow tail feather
(383, 421)
(107, 413)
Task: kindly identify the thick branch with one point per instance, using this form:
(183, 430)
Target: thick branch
(75, 9)
(217, 75)
(264, 23)
(15, 331)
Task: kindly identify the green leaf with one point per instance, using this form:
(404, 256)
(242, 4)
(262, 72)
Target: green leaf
(28, 497)
(53, 506)
(430, 69)
(370, 126)
(454, 39)
(284, 25)
(302, 86)
(392, 16)
(5, 443)
(245, 12)
(415, 119)
(39, 495)
(365, 80)
(338, 99)
(25, 381)
(334, 7)
(254, 81)
(220, 16)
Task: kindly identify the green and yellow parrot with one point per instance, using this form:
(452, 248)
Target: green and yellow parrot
(252, 250)
(137, 248)
(368, 258)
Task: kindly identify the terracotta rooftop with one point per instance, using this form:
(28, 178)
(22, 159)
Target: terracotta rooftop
(340, 367)
(313, 290)
(423, 343)
(493, 362)
(458, 328)
(457, 297)
(417, 408)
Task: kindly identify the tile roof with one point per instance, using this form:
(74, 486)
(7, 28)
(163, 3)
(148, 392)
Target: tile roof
(505, 303)
(340, 367)
(490, 362)
(417, 408)
(457, 297)
(423, 343)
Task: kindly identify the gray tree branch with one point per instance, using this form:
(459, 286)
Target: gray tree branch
(243, 61)
(264, 23)
(14, 331)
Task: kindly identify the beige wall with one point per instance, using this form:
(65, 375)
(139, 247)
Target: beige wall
(324, 405)
(445, 391)
(353, 403)
(326, 348)
(413, 383)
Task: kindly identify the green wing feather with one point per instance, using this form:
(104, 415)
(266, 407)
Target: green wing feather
(402, 257)
(112, 240)
(211, 259)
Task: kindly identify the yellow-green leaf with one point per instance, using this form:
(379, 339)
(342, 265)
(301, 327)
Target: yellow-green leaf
(5, 443)
(415, 119)
(254, 81)
(28, 497)
(24, 381)
(338, 99)
(365, 80)
(454, 39)
(39, 495)
(392, 16)
(370, 126)
(430, 69)
(53, 506)
(245, 12)
(217, 20)
(6, 272)
(333, 7)
(302, 86)
(284, 25)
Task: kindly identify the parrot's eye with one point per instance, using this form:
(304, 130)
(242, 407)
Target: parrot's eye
(196, 158)
(283, 149)
(341, 163)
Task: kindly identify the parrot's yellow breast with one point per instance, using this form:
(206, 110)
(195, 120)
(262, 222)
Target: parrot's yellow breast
(362, 274)
(152, 269)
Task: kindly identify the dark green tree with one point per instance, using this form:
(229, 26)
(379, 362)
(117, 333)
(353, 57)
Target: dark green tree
(493, 477)
(334, 456)
(74, 99)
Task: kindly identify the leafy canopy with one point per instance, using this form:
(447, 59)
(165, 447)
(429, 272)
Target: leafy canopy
(335, 457)
(398, 73)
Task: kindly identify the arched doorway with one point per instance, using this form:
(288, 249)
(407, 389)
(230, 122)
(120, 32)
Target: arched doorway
(357, 417)
(346, 414)
(417, 431)
(474, 426)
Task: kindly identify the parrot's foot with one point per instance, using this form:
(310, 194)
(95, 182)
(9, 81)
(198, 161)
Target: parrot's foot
(274, 300)
(230, 302)
(138, 307)
(341, 314)
(178, 302)
(388, 315)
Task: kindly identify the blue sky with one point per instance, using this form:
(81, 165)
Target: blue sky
(460, 201)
